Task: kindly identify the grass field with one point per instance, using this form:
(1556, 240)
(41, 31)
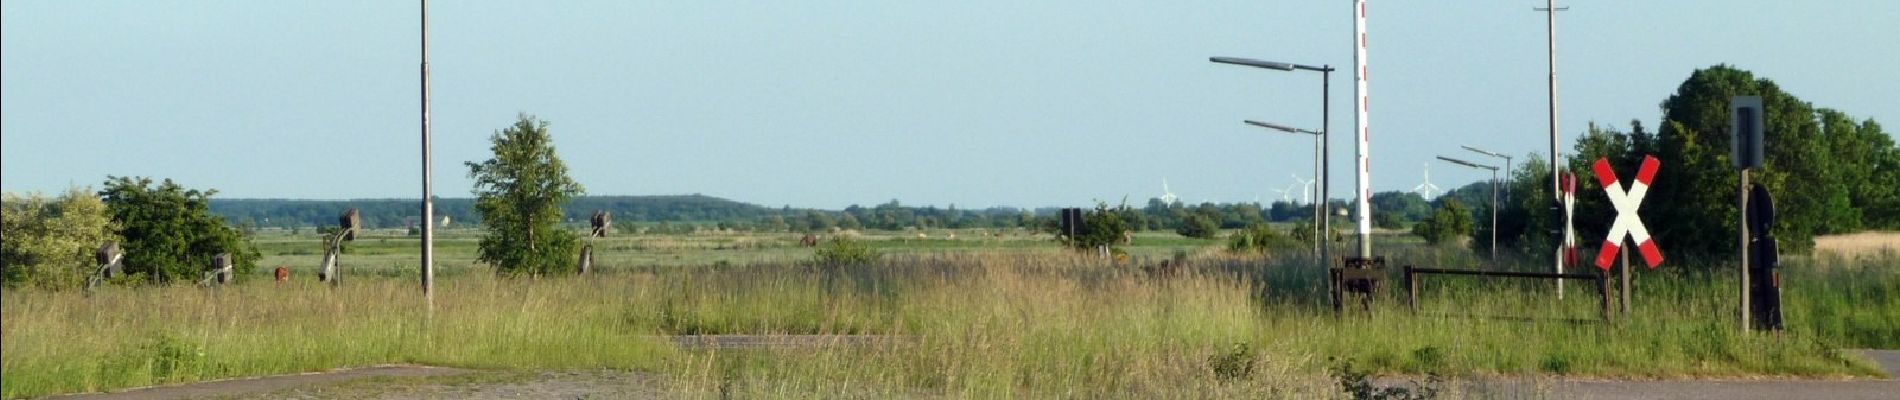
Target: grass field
(987, 314)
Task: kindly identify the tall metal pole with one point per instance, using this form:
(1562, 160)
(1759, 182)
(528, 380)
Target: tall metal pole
(1317, 167)
(428, 202)
(1325, 206)
(1494, 217)
(1363, 189)
(1550, 20)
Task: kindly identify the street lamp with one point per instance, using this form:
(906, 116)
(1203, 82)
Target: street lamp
(1318, 169)
(1325, 129)
(1494, 200)
(1507, 165)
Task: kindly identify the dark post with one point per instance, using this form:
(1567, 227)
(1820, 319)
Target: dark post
(1603, 293)
(1411, 288)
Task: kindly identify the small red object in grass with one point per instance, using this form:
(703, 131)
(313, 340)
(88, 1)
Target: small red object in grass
(283, 273)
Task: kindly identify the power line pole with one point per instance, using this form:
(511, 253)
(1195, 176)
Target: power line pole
(1550, 10)
(428, 202)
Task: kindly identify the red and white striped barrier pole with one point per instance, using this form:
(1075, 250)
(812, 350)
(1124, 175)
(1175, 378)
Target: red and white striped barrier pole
(1364, 161)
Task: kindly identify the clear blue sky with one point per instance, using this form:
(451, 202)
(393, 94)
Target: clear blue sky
(830, 103)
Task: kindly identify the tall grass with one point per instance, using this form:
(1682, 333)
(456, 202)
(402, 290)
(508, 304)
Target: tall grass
(957, 324)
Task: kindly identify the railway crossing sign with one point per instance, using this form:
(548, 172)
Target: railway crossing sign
(1628, 224)
(1567, 248)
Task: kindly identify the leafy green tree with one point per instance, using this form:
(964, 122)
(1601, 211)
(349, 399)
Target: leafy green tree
(170, 233)
(519, 194)
(49, 243)
(1449, 222)
(1699, 218)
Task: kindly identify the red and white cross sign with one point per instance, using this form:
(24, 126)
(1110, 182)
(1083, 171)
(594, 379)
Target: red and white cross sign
(1567, 250)
(1627, 224)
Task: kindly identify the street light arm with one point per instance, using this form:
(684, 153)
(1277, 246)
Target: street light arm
(1467, 163)
(1488, 153)
(1252, 63)
(1278, 127)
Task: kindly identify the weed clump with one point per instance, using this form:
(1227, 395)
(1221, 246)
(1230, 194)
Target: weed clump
(1234, 365)
(1357, 384)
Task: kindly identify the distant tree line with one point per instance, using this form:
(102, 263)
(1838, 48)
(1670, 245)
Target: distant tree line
(687, 213)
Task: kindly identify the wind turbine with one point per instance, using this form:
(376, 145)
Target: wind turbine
(1306, 195)
(1426, 189)
(1167, 195)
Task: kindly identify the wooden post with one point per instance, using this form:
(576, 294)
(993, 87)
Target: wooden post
(1411, 288)
(1626, 283)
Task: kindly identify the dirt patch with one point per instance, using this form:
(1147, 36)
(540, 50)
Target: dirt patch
(692, 342)
(486, 385)
(1862, 244)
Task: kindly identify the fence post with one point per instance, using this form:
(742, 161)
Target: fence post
(1411, 289)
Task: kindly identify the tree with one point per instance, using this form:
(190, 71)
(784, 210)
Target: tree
(1449, 222)
(519, 195)
(1699, 218)
(49, 243)
(170, 233)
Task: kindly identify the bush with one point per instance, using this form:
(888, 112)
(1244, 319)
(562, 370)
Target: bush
(1199, 227)
(843, 251)
(1262, 239)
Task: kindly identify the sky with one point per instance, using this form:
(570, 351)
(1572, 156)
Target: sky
(830, 103)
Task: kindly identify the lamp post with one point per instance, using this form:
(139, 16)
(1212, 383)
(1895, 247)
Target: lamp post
(1325, 129)
(1507, 164)
(428, 202)
(1318, 169)
(1494, 200)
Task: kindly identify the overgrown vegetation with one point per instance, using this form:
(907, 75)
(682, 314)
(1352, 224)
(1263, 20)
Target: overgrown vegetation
(49, 243)
(972, 324)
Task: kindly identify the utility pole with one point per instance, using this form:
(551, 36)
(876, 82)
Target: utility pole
(1550, 10)
(428, 202)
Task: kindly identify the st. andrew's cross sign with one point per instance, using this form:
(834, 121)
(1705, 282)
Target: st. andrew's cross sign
(1628, 224)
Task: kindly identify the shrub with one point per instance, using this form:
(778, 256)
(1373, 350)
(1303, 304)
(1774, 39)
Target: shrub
(842, 250)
